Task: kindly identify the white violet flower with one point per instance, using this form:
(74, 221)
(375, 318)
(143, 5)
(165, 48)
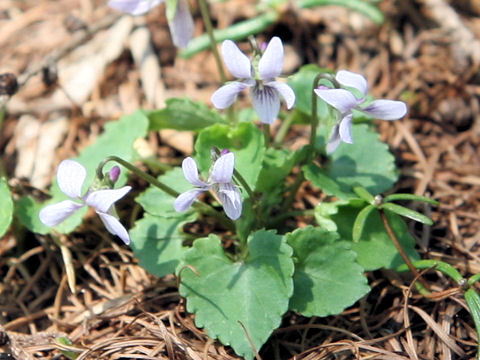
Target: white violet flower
(70, 178)
(345, 101)
(220, 180)
(259, 77)
(181, 26)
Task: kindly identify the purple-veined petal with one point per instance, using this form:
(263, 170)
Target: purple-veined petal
(351, 79)
(70, 178)
(223, 169)
(134, 7)
(341, 99)
(237, 62)
(54, 214)
(190, 171)
(271, 62)
(186, 199)
(266, 103)
(345, 129)
(334, 140)
(114, 226)
(386, 109)
(102, 200)
(182, 26)
(226, 95)
(231, 200)
(285, 91)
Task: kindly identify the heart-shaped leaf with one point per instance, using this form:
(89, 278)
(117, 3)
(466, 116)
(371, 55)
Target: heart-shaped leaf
(254, 292)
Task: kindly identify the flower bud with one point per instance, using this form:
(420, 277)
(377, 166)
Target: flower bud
(113, 174)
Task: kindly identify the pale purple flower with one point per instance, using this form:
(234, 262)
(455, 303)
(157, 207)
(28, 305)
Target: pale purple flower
(259, 77)
(345, 101)
(181, 26)
(220, 180)
(70, 178)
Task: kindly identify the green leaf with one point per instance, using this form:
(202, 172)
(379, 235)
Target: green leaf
(410, 197)
(26, 211)
(362, 7)
(367, 162)
(277, 164)
(238, 31)
(327, 278)
(6, 210)
(473, 301)
(246, 141)
(359, 223)
(157, 242)
(302, 84)
(156, 202)
(117, 139)
(183, 114)
(403, 211)
(363, 194)
(374, 248)
(254, 292)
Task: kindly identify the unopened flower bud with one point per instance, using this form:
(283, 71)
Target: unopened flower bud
(224, 152)
(114, 173)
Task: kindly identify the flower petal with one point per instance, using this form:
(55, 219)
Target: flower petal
(102, 200)
(52, 215)
(351, 79)
(190, 171)
(341, 99)
(226, 95)
(237, 62)
(186, 199)
(134, 7)
(266, 103)
(271, 62)
(231, 200)
(345, 130)
(114, 226)
(386, 109)
(285, 91)
(70, 178)
(181, 29)
(223, 169)
(334, 140)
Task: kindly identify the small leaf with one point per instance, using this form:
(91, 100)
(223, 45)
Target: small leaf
(412, 197)
(327, 278)
(359, 223)
(183, 114)
(246, 141)
(157, 242)
(157, 202)
(254, 292)
(438, 265)
(6, 210)
(363, 194)
(367, 161)
(238, 31)
(403, 211)
(473, 301)
(374, 248)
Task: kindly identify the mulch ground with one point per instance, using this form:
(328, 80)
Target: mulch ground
(426, 53)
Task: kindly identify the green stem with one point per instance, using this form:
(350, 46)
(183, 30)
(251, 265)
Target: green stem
(213, 43)
(400, 249)
(266, 134)
(244, 184)
(282, 132)
(199, 206)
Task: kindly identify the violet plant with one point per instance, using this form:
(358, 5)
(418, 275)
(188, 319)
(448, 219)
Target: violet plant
(246, 196)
